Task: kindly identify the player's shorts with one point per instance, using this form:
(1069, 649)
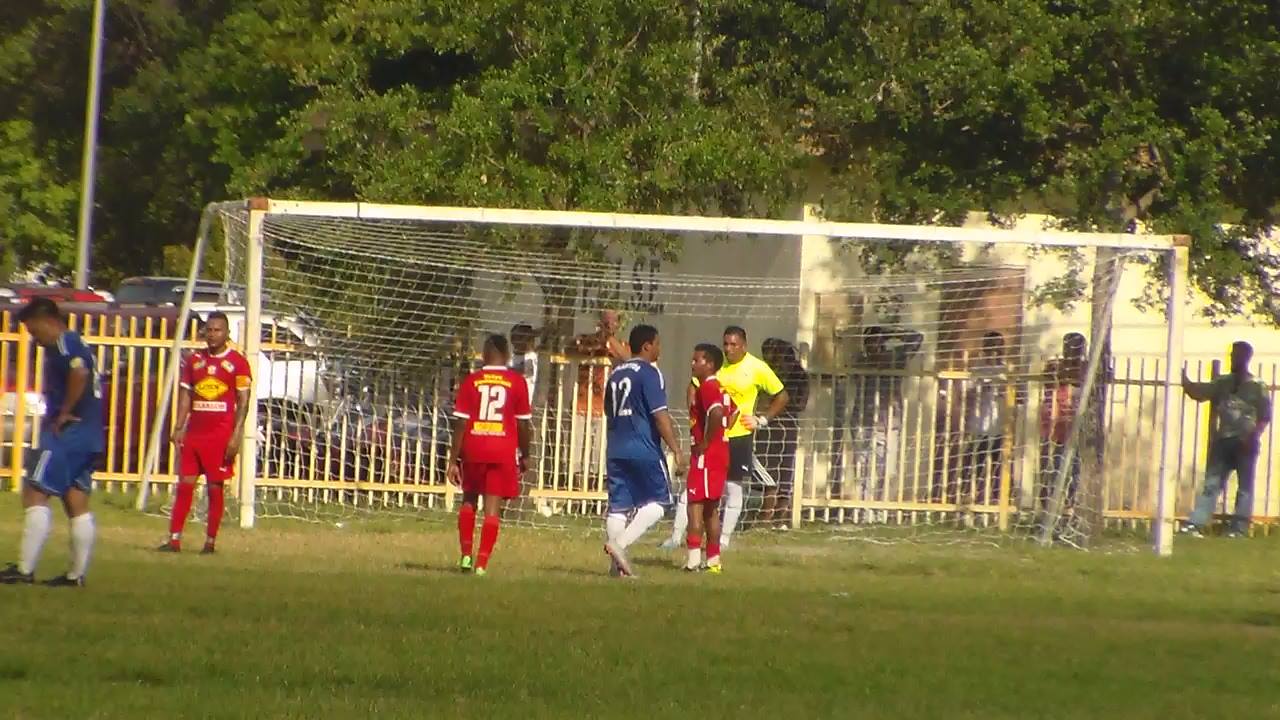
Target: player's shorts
(501, 479)
(741, 459)
(205, 456)
(61, 462)
(636, 482)
(706, 479)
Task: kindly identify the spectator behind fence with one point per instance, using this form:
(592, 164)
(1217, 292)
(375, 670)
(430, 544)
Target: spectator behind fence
(780, 437)
(587, 431)
(1240, 410)
(877, 409)
(524, 358)
(1063, 383)
(984, 419)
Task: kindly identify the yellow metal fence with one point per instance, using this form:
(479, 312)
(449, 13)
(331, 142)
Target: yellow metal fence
(328, 439)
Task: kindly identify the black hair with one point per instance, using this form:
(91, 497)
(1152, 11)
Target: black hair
(521, 330)
(736, 330)
(496, 343)
(713, 353)
(38, 308)
(217, 315)
(786, 355)
(993, 335)
(1244, 347)
(642, 335)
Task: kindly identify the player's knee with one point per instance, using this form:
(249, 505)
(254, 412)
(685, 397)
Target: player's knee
(32, 496)
(76, 502)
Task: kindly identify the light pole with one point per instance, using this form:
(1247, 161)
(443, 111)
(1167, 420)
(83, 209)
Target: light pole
(88, 162)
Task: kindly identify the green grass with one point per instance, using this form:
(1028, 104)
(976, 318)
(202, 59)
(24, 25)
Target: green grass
(301, 621)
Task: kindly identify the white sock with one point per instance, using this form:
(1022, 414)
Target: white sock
(614, 525)
(681, 525)
(646, 517)
(732, 511)
(82, 533)
(35, 530)
(695, 557)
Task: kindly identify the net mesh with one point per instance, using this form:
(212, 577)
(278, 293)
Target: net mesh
(930, 394)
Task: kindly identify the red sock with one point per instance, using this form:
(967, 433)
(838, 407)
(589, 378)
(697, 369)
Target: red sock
(488, 538)
(693, 540)
(713, 549)
(466, 527)
(217, 503)
(181, 508)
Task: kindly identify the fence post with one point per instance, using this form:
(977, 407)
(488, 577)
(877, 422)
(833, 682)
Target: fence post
(1006, 454)
(20, 407)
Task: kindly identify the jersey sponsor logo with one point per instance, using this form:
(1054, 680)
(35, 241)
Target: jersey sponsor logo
(209, 406)
(210, 388)
(494, 379)
(487, 428)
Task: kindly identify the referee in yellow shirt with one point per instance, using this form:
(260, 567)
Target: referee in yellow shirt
(744, 376)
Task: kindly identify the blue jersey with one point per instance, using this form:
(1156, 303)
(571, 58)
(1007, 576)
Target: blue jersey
(636, 392)
(68, 354)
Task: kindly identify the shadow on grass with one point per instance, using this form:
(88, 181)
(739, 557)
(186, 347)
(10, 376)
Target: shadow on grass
(421, 567)
(1262, 619)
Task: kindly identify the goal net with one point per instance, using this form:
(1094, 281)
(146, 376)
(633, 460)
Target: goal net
(942, 382)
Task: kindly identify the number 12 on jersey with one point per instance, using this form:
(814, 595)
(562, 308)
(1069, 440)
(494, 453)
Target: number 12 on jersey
(492, 399)
(620, 392)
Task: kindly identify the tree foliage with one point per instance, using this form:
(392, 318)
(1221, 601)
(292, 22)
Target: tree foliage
(1099, 112)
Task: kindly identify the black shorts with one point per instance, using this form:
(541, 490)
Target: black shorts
(741, 459)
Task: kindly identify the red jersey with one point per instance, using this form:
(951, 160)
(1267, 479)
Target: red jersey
(707, 396)
(492, 400)
(214, 382)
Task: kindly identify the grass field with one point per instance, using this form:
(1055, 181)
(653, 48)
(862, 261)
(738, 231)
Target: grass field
(308, 621)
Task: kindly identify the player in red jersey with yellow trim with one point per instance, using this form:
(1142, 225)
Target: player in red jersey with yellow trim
(212, 407)
(492, 429)
(711, 412)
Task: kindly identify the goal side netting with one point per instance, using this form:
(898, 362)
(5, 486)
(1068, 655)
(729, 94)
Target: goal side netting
(941, 386)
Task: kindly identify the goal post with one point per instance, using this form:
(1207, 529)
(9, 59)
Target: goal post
(890, 433)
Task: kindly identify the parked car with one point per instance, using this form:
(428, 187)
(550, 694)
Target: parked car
(354, 442)
(169, 290)
(20, 293)
(280, 377)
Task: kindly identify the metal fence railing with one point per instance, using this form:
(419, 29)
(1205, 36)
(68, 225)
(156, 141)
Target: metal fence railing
(321, 437)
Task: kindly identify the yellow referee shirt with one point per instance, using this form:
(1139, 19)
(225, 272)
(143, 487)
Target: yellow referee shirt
(743, 381)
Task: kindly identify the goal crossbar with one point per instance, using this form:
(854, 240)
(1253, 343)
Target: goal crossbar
(704, 224)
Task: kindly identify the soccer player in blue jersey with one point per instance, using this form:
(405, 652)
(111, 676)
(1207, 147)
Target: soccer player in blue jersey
(638, 422)
(71, 439)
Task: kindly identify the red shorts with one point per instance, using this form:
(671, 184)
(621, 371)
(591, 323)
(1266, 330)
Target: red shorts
(205, 456)
(501, 479)
(706, 479)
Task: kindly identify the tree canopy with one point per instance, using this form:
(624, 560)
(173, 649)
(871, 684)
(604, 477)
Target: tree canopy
(1100, 113)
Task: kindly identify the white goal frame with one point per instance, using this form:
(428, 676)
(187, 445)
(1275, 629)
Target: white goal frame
(1174, 248)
